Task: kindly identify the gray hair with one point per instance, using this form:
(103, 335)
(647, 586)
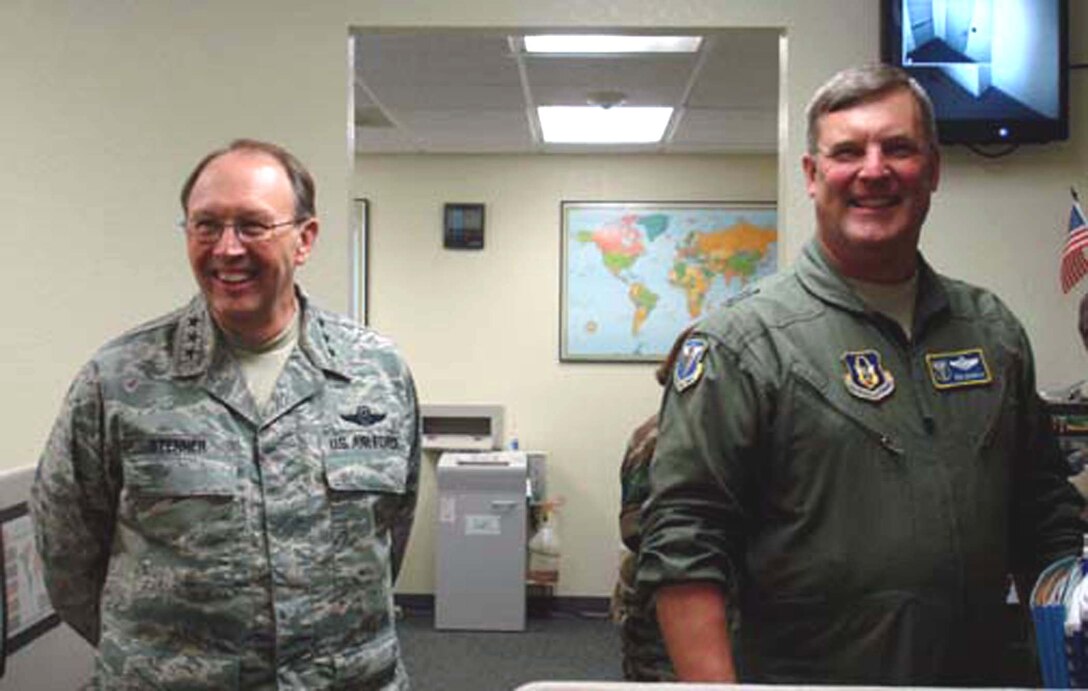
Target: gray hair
(302, 183)
(856, 85)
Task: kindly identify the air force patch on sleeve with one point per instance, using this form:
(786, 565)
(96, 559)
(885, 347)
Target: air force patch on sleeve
(689, 363)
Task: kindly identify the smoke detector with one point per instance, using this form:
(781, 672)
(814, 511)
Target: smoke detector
(606, 99)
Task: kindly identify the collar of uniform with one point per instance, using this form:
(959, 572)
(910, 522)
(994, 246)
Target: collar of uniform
(318, 340)
(822, 280)
(932, 297)
(196, 337)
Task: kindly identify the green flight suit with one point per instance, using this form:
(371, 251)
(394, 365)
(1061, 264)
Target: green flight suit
(644, 654)
(863, 520)
(202, 543)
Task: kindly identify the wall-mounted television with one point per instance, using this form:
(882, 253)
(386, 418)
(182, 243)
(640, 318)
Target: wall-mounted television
(996, 70)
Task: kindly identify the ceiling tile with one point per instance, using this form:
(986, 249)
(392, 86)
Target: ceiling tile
(461, 90)
(727, 130)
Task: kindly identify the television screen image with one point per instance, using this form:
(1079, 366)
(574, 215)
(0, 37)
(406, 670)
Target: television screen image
(994, 69)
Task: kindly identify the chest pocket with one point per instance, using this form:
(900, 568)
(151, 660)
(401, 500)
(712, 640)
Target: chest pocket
(181, 491)
(366, 472)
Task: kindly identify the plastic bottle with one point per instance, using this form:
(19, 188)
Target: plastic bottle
(544, 553)
(513, 444)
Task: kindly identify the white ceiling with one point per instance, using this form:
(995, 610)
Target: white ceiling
(476, 92)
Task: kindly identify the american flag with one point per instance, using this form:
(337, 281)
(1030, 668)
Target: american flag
(1074, 265)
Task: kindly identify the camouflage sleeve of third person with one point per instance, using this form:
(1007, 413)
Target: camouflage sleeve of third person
(73, 503)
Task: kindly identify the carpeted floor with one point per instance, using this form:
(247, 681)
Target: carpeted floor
(564, 646)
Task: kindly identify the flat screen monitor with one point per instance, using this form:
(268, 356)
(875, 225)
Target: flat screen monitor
(996, 70)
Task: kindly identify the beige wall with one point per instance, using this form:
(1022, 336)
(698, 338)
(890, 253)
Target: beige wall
(108, 103)
(483, 327)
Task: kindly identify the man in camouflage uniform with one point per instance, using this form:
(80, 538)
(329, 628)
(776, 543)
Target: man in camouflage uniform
(227, 492)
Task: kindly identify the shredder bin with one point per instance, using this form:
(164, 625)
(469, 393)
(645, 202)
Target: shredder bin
(480, 559)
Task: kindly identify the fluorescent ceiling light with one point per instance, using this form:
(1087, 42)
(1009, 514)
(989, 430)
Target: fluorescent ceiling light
(592, 125)
(605, 43)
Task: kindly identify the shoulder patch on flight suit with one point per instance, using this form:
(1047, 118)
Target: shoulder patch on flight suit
(958, 368)
(689, 364)
(866, 377)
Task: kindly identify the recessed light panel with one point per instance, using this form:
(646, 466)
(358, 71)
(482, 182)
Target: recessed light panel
(607, 43)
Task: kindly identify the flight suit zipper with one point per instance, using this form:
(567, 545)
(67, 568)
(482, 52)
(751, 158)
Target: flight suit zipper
(883, 439)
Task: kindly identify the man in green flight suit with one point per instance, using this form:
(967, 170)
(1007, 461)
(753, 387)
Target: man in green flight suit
(854, 455)
(226, 495)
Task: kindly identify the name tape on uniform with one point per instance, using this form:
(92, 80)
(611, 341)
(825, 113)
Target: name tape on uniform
(958, 368)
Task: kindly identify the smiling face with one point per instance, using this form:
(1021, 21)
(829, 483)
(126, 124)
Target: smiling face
(249, 287)
(871, 179)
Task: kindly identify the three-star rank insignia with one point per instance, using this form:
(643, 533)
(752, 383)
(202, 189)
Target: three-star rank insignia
(866, 377)
(689, 363)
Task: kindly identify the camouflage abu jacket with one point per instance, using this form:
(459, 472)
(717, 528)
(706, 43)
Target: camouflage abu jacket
(201, 543)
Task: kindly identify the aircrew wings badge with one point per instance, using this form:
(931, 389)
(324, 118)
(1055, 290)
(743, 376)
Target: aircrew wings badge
(958, 368)
(689, 363)
(866, 377)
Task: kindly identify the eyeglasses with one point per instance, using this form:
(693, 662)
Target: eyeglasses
(209, 230)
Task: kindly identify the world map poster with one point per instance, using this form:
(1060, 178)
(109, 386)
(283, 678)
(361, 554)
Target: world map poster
(635, 274)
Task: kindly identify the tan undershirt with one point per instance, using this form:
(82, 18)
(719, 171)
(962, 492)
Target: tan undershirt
(262, 365)
(894, 300)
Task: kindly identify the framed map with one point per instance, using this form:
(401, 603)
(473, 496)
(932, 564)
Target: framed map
(634, 274)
